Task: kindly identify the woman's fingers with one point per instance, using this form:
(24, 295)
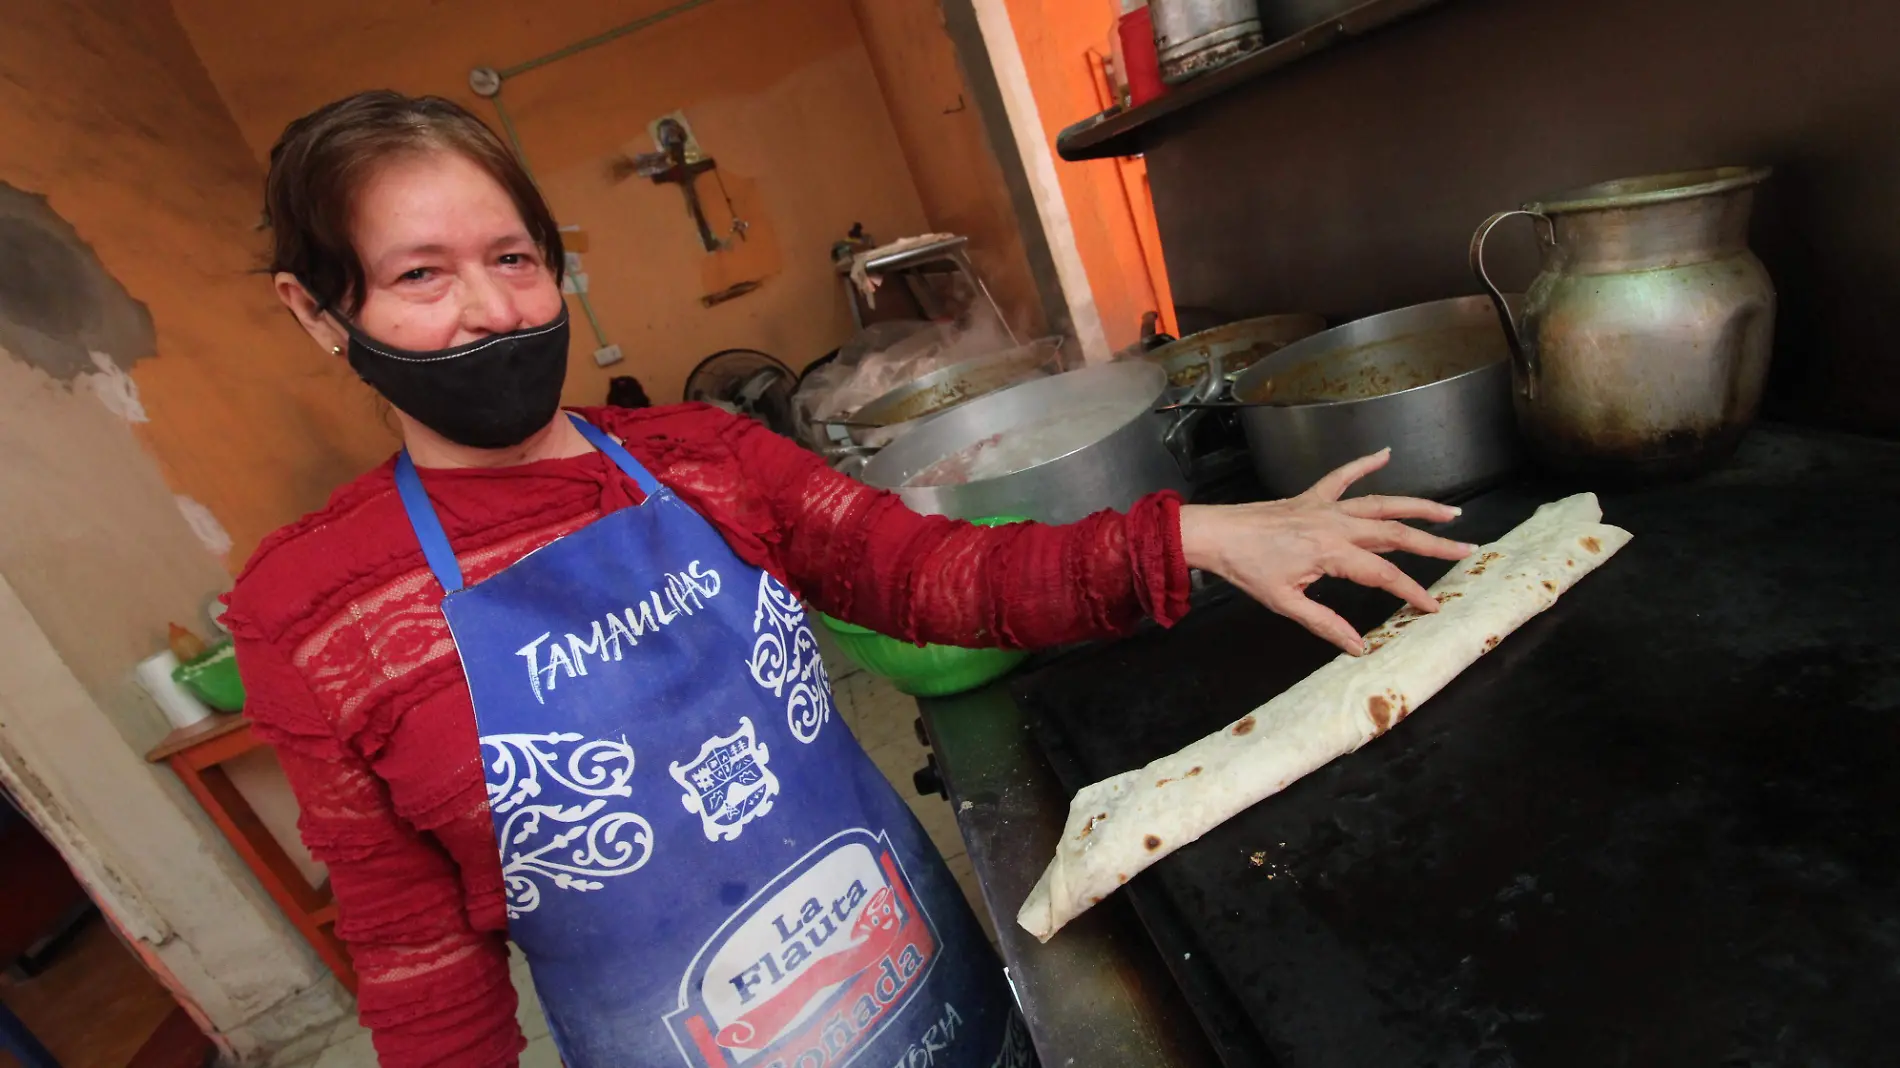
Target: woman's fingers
(1338, 481)
(1274, 549)
(1385, 536)
(1319, 619)
(1376, 506)
(1358, 565)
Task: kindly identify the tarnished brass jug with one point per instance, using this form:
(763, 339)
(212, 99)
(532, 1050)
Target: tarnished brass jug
(1644, 341)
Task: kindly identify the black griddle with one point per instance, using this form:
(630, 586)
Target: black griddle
(1660, 825)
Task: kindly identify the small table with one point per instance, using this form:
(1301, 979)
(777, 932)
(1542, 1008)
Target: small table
(196, 753)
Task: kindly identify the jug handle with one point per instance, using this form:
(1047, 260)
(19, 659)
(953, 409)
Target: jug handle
(1520, 355)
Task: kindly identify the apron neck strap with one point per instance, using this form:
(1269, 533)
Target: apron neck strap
(618, 453)
(428, 526)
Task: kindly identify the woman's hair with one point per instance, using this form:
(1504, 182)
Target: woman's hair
(323, 159)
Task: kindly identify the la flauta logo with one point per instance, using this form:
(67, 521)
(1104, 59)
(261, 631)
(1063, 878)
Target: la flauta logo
(813, 968)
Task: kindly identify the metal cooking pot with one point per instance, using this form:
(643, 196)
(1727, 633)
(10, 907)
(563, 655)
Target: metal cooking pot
(1433, 381)
(949, 386)
(1230, 349)
(1086, 439)
(849, 440)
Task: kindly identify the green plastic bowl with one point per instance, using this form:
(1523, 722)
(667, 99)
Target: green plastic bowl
(213, 679)
(930, 670)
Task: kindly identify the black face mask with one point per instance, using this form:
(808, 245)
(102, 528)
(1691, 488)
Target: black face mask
(487, 394)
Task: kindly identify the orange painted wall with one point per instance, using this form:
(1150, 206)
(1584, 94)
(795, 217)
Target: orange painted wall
(958, 179)
(1056, 37)
(105, 111)
(782, 94)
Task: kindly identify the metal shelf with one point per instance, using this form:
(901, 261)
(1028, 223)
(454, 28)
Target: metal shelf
(1127, 132)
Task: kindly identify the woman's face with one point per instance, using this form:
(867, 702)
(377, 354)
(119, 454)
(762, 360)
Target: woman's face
(446, 258)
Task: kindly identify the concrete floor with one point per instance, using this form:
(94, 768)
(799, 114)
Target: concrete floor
(881, 718)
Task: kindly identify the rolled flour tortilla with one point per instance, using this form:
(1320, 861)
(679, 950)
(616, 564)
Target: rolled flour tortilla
(1121, 825)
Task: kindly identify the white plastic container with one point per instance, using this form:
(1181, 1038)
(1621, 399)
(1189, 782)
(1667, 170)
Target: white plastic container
(181, 708)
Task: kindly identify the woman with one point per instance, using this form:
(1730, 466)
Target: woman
(699, 863)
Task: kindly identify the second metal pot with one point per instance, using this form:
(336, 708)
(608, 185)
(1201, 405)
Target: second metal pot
(1230, 349)
(1086, 473)
(1432, 381)
(950, 386)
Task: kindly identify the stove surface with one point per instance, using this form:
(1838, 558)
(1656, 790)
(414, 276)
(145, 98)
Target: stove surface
(1655, 826)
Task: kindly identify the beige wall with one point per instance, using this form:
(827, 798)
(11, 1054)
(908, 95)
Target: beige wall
(140, 845)
(105, 114)
(782, 94)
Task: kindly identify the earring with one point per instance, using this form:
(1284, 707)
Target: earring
(336, 350)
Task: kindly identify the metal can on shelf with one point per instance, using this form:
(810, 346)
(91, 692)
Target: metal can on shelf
(1196, 36)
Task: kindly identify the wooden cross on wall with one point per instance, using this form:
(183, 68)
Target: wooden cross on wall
(669, 166)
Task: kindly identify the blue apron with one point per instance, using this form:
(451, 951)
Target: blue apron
(701, 865)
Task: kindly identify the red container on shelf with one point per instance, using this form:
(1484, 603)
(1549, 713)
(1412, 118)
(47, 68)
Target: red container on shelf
(1137, 32)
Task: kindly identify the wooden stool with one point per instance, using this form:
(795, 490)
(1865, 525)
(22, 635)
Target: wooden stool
(195, 753)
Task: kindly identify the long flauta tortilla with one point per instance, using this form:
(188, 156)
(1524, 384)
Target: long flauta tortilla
(1121, 825)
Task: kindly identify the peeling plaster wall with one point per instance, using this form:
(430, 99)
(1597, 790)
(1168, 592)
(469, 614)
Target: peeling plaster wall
(59, 309)
(107, 114)
(158, 415)
(95, 557)
(91, 535)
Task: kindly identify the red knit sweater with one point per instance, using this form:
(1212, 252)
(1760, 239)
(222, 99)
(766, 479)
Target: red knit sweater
(351, 674)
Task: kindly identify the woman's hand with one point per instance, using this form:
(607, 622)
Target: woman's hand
(1274, 550)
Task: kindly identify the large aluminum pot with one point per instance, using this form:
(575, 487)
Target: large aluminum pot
(849, 440)
(1054, 449)
(950, 386)
(1432, 381)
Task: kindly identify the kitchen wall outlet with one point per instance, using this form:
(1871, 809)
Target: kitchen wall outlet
(607, 355)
